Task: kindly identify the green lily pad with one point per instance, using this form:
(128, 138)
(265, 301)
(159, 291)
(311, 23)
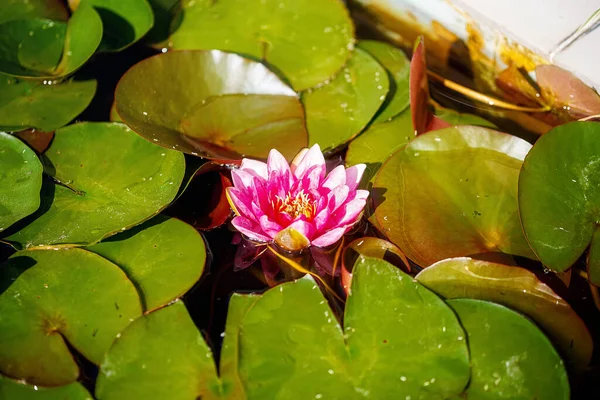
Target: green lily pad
(163, 257)
(338, 111)
(167, 16)
(398, 67)
(559, 194)
(185, 100)
(518, 289)
(125, 22)
(378, 142)
(108, 179)
(455, 118)
(510, 357)
(20, 180)
(399, 340)
(14, 390)
(44, 48)
(161, 355)
(57, 295)
(26, 9)
(469, 176)
(42, 105)
(307, 40)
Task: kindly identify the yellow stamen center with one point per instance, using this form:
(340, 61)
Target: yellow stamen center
(294, 206)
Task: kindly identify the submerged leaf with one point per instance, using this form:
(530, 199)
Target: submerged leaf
(307, 40)
(108, 179)
(17, 390)
(185, 101)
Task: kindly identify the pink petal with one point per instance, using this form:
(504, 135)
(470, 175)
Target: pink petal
(330, 237)
(242, 180)
(276, 164)
(299, 157)
(258, 167)
(335, 178)
(354, 175)
(321, 219)
(269, 227)
(312, 178)
(304, 227)
(337, 197)
(361, 194)
(249, 229)
(240, 203)
(347, 214)
(311, 158)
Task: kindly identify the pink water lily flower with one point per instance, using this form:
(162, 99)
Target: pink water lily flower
(275, 201)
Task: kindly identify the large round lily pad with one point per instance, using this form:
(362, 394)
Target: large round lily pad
(510, 357)
(518, 289)
(43, 48)
(11, 389)
(307, 40)
(559, 194)
(107, 180)
(452, 193)
(398, 68)
(164, 257)
(42, 105)
(212, 104)
(339, 110)
(176, 362)
(53, 296)
(125, 22)
(399, 340)
(20, 180)
(24, 9)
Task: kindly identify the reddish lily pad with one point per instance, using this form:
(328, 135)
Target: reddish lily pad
(398, 67)
(518, 289)
(184, 100)
(20, 180)
(307, 40)
(469, 176)
(339, 110)
(108, 179)
(510, 357)
(399, 340)
(423, 118)
(163, 257)
(564, 91)
(37, 140)
(56, 296)
(12, 389)
(559, 195)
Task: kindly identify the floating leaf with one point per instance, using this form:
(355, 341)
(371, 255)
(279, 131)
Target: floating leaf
(11, 389)
(53, 296)
(45, 48)
(42, 105)
(510, 357)
(399, 340)
(20, 9)
(20, 180)
(163, 257)
(339, 110)
(125, 22)
(455, 118)
(307, 40)
(167, 16)
(559, 194)
(566, 92)
(398, 67)
(176, 362)
(108, 179)
(37, 140)
(518, 289)
(378, 142)
(185, 100)
(469, 176)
